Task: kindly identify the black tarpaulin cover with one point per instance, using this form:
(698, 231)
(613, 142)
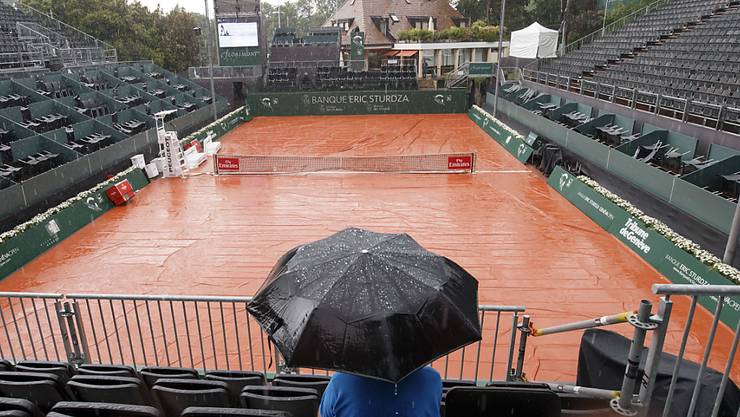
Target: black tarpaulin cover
(367, 303)
(602, 360)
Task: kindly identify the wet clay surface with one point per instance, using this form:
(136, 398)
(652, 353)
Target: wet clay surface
(526, 245)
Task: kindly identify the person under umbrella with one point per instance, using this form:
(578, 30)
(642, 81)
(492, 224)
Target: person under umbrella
(375, 307)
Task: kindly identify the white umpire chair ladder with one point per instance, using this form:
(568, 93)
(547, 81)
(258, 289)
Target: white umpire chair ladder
(170, 150)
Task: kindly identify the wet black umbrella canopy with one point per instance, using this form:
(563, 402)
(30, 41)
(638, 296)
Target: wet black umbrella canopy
(367, 303)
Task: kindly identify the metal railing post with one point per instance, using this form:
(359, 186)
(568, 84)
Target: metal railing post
(641, 322)
(650, 374)
(524, 332)
(512, 346)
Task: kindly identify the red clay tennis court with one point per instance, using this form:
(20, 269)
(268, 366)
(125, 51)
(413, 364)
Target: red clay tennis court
(207, 235)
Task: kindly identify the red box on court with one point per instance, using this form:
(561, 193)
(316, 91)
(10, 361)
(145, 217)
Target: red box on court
(120, 192)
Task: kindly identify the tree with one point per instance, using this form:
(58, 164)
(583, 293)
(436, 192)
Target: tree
(136, 32)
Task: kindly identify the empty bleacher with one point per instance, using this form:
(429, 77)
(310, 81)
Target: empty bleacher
(682, 56)
(30, 39)
(388, 77)
(53, 121)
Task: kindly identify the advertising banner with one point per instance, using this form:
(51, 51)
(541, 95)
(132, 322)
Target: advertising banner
(674, 263)
(35, 240)
(357, 102)
(512, 143)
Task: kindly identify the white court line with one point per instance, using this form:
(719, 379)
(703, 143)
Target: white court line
(504, 171)
(329, 173)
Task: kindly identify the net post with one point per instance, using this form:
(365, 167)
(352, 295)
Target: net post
(472, 164)
(215, 162)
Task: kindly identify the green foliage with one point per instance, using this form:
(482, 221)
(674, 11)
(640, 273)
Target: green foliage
(479, 31)
(135, 31)
(299, 15)
(580, 15)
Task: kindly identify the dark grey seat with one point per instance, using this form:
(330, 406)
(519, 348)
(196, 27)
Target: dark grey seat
(175, 395)
(42, 389)
(317, 382)
(231, 412)
(107, 370)
(151, 374)
(8, 404)
(236, 380)
(109, 389)
(13, 413)
(513, 401)
(82, 409)
(5, 365)
(300, 402)
(62, 369)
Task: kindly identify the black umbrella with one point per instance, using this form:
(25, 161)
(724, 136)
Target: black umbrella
(367, 303)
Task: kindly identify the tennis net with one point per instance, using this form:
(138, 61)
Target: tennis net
(453, 163)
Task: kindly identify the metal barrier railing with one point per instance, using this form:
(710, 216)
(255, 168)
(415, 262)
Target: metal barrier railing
(645, 321)
(722, 292)
(199, 332)
(714, 116)
(207, 332)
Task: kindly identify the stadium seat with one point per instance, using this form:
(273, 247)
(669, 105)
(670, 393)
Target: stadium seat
(13, 413)
(175, 395)
(317, 382)
(43, 389)
(150, 375)
(231, 412)
(509, 401)
(61, 369)
(109, 389)
(5, 365)
(83, 409)
(107, 370)
(236, 381)
(27, 407)
(300, 402)
(448, 384)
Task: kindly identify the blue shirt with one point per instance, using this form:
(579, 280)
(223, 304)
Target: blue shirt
(417, 395)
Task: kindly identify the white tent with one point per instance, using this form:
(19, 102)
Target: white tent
(534, 41)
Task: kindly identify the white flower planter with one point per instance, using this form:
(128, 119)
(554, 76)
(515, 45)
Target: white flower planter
(681, 242)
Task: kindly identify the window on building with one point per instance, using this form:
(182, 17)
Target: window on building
(394, 18)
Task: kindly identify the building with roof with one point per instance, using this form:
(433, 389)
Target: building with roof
(381, 21)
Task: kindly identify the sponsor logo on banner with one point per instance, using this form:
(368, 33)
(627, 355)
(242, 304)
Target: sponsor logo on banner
(459, 162)
(267, 102)
(520, 150)
(564, 181)
(8, 256)
(439, 99)
(636, 235)
(53, 229)
(94, 202)
(357, 99)
(227, 164)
